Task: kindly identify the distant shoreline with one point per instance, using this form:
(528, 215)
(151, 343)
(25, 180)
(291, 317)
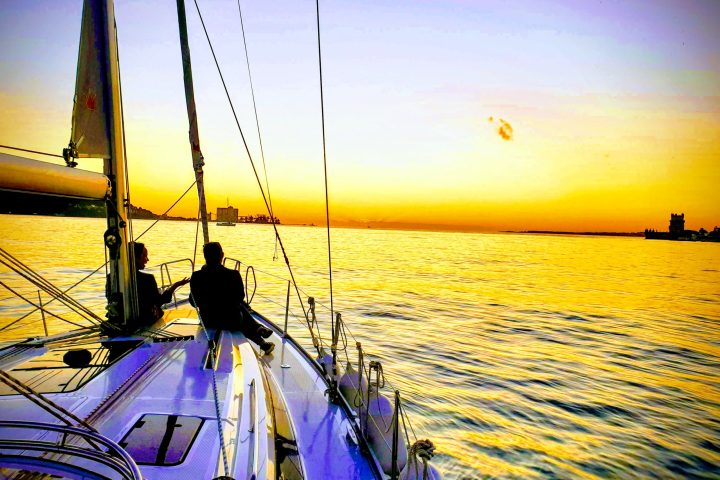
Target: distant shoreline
(600, 234)
(411, 228)
(24, 203)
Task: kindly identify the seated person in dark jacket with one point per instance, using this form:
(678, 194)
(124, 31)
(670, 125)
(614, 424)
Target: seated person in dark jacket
(219, 293)
(150, 300)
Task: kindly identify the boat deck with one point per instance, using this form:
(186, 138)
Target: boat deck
(156, 401)
(323, 433)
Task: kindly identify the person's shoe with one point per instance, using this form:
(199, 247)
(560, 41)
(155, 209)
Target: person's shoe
(267, 347)
(264, 332)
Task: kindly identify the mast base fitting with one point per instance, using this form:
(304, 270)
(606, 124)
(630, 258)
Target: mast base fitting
(112, 241)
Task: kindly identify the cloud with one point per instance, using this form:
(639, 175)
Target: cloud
(505, 130)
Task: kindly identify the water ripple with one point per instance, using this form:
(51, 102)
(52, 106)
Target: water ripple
(521, 356)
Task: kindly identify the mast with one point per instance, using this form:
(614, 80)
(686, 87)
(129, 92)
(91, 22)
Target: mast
(197, 157)
(115, 171)
(97, 132)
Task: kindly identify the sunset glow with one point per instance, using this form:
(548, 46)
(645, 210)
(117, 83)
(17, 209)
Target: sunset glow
(611, 110)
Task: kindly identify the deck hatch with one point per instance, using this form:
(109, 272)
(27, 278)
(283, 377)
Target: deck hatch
(58, 370)
(161, 440)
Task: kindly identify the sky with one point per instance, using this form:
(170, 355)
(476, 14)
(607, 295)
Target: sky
(456, 114)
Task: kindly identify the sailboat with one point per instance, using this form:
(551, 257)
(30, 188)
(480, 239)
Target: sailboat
(168, 401)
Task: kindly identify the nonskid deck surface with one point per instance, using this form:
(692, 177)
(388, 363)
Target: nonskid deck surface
(157, 402)
(323, 433)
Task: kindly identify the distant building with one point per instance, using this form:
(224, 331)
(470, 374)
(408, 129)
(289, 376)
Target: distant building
(677, 225)
(714, 235)
(259, 218)
(227, 214)
(676, 231)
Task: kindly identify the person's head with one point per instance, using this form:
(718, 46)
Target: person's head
(213, 253)
(140, 254)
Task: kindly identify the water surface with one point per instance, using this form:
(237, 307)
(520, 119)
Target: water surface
(520, 356)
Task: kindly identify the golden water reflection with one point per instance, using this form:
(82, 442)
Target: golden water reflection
(521, 356)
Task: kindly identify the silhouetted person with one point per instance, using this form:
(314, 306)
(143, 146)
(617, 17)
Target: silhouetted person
(219, 293)
(150, 299)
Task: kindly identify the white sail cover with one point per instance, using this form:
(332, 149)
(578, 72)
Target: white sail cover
(90, 126)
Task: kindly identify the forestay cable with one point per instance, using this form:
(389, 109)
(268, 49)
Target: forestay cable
(252, 163)
(327, 207)
(257, 123)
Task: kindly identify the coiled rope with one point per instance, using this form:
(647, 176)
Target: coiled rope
(424, 450)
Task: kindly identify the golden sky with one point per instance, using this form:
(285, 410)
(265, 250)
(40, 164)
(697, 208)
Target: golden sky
(614, 109)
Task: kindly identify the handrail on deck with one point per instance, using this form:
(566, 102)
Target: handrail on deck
(230, 259)
(164, 270)
(115, 458)
(237, 264)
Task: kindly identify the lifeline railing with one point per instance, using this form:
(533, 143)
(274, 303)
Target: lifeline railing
(357, 369)
(88, 461)
(165, 272)
(33, 297)
(236, 264)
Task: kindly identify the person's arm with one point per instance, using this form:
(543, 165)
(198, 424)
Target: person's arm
(239, 287)
(194, 290)
(166, 296)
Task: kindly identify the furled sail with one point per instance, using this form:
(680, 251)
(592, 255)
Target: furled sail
(90, 125)
(26, 175)
(97, 132)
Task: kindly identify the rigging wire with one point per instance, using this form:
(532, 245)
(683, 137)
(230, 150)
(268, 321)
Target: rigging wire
(252, 163)
(33, 277)
(166, 211)
(63, 292)
(197, 235)
(43, 402)
(327, 207)
(31, 151)
(257, 124)
(37, 307)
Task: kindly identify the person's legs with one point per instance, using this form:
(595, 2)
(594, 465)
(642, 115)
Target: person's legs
(249, 329)
(255, 332)
(253, 325)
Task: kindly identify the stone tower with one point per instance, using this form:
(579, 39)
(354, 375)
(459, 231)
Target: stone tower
(677, 225)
